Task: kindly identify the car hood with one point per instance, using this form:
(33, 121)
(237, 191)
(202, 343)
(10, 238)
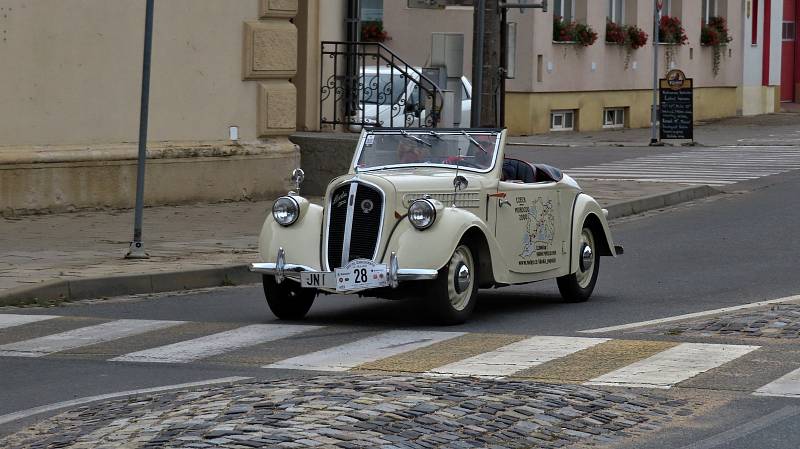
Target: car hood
(403, 185)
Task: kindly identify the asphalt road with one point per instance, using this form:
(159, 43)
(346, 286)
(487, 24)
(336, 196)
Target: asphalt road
(731, 249)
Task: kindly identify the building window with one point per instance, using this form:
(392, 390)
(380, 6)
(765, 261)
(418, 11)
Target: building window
(564, 9)
(616, 11)
(788, 31)
(562, 120)
(709, 10)
(666, 9)
(754, 33)
(614, 118)
(371, 10)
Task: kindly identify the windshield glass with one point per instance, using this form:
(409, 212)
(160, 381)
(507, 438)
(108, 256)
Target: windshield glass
(470, 150)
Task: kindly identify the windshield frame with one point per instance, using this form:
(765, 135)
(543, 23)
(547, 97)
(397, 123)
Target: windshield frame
(426, 131)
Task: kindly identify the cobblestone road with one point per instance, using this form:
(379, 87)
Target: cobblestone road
(780, 321)
(356, 411)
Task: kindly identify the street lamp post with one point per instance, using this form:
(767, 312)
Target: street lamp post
(136, 250)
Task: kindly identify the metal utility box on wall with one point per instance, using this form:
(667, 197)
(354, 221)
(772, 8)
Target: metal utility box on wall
(447, 50)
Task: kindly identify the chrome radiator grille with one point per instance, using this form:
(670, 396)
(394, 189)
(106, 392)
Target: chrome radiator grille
(364, 205)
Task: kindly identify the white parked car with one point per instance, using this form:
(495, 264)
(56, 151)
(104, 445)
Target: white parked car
(391, 98)
(438, 213)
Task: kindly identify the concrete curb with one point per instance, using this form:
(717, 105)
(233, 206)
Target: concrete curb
(72, 290)
(660, 200)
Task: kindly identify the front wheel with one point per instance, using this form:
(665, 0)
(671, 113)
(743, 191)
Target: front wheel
(288, 300)
(578, 286)
(455, 291)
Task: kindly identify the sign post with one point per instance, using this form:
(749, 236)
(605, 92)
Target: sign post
(654, 111)
(136, 250)
(677, 107)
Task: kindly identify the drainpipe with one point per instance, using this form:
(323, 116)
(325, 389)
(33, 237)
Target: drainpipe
(353, 34)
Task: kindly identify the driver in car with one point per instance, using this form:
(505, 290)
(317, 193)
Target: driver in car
(409, 151)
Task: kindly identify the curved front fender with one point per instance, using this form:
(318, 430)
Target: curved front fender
(301, 241)
(588, 211)
(433, 247)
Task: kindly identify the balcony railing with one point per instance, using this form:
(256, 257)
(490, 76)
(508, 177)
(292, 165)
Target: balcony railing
(365, 84)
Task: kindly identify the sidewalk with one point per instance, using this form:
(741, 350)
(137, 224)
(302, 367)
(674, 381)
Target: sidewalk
(80, 255)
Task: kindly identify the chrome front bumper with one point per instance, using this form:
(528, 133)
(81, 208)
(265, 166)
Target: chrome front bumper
(282, 270)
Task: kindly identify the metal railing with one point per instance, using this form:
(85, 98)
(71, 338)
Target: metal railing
(364, 84)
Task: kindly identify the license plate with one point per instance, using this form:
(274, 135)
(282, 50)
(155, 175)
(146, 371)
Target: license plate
(317, 279)
(360, 274)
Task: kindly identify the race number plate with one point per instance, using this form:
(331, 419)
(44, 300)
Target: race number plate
(360, 274)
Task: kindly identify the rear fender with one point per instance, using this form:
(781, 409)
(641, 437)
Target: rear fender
(587, 211)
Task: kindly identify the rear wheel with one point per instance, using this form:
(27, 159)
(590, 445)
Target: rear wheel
(455, 290)
(578, 286)
(287, 300)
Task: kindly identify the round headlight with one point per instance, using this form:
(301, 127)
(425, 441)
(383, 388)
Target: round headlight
(285, 210)
(421, 214)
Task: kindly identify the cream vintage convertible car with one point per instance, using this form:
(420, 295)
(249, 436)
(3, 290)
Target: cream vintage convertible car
(437, 213)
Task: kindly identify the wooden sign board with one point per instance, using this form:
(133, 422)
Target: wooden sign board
(676, 106)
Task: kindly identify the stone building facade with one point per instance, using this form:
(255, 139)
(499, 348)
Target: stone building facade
(222, 102)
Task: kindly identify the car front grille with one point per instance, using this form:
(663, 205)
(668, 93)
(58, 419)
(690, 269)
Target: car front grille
(367, 210)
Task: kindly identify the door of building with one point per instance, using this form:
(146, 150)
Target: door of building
(789, 50)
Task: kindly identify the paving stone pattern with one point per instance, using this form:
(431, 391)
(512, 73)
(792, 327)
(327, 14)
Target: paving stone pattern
(357, 411)
(778, 321)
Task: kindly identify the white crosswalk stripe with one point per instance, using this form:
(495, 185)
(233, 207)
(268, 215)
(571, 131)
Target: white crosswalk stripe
(786, 386)
(215, 344)
(518, 356)
(348, 356)
(674, 365)
(84, 336)
(665, 369)
(11, 320)
(711, 166)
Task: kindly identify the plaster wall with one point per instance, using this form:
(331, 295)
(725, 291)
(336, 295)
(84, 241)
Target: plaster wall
(76, 71)
(529, 113)
(569, 67)
(776, 39)
(752, 54)
(410, 30)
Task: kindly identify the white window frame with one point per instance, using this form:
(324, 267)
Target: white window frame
(618, 118)
(558, 5)
(613, 13)
(563, 113)
(710, 9)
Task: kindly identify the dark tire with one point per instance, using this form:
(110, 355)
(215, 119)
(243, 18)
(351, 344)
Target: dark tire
(287, 300)
(452, 297)
(578, 286)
